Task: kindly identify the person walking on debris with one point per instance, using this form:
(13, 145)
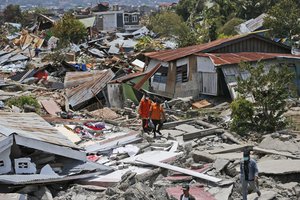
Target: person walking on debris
(157, 115)
(186, 193)
(36, 51)
(144, 108)
(249, 175)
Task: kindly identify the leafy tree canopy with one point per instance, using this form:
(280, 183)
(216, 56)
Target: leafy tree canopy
(69, 29)
(169, 24)
(12, 13)
(283, 19)
(270, 87)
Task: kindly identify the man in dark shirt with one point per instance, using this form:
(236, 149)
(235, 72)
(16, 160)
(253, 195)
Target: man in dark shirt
(186, 193)
(249, 175)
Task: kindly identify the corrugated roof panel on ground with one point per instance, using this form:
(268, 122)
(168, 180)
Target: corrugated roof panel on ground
(73, 79)
(89, 89)
(31, 125)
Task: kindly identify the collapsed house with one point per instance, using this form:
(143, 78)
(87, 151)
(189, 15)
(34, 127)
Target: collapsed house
(212, 68)
(32, 151)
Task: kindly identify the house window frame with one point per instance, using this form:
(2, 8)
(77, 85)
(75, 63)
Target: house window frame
(134, 18)
(126, 18)
(161, 75)
(182, 74)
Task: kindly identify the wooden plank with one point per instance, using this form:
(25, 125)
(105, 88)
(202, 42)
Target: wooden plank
(51, 106)
(269, 151)
(201, 104)
(182, 170)
(202, 133)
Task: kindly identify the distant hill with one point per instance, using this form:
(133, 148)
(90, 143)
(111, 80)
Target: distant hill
(71, 3)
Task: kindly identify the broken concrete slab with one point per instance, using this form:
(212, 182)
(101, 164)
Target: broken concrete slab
(231, 148)
(265, 195)
(202, 133)
(176, 123)
(267, 151)
(221, 193)
(172, 133)
(112, 179)
(229, 156)
(203, 156)
(279, 167)
(187, 128)
(220, 164)
(278, 145)
(152, 155)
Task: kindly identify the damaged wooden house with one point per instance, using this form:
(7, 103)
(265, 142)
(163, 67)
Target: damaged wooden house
(212, 68)
(32, 151)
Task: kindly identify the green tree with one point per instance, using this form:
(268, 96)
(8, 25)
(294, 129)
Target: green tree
(12, 13)
(270, 89)
(169, 24)
(283, 19)
(242, 114)
(69, 30)
(147, 44)
(228, 27)
(184, 8)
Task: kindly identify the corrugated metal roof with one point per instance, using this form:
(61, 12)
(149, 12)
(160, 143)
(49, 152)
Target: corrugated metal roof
(31, 125)
(234, 58)
(73, 79)
(169, 55)
(88, 90)
(127, 77)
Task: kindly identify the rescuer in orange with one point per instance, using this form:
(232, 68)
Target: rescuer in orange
(157, 115)
(144, 108)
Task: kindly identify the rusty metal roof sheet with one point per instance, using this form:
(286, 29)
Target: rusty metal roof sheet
(220, 59)
(73, 79)
(127, 77)
(31, 125)
(170, 55)
(89, 89)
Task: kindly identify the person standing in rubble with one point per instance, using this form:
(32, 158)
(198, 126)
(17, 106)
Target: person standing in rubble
(186, 193)
(143, 111)
(249, 175)
(36, 51)
(157, 116)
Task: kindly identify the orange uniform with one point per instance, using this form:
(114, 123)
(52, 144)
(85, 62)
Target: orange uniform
(144, 108)
(156, 111)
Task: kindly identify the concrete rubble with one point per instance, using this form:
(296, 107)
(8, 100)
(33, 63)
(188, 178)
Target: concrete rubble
(69, 129)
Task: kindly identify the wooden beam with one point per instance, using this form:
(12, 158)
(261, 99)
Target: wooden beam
(202, 133)
(182, 170)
